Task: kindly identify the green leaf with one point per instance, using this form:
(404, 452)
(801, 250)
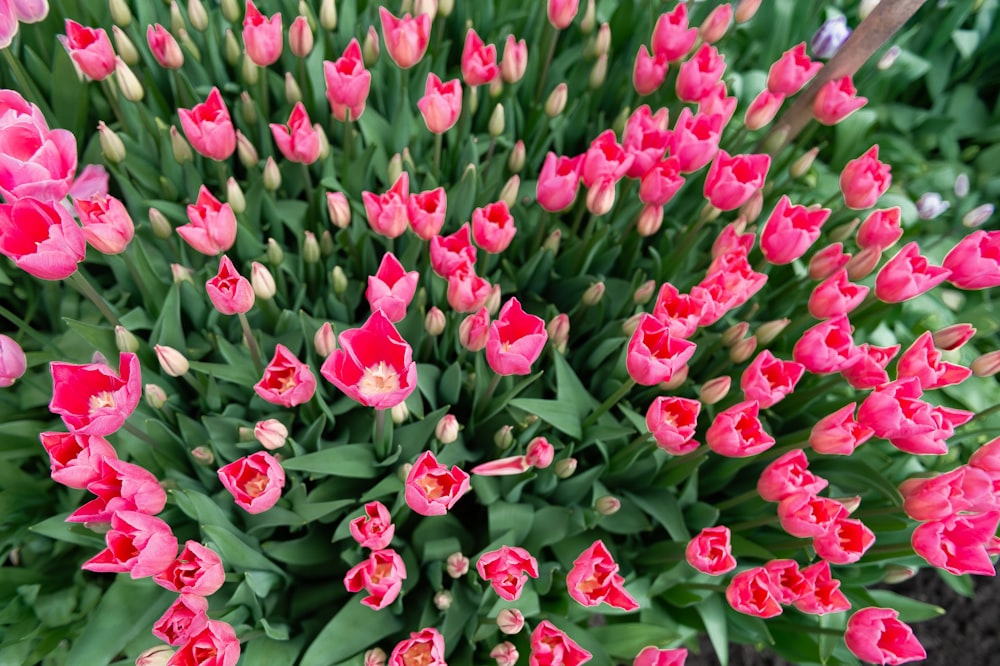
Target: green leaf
(569, 388)
(662, 506)
(624, 641)
(244, 374)
(713, 614)
(352, 630)
(57, 528)
(237, 554)
(353, 461)
(910, 610)
(561, 415)
(265, 651)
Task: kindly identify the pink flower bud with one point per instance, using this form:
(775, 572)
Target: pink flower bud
(864, 180)
(446, 430)
(510, 621)
(986, 365)
(539, 453)
(300, 37)
(230, 292)
(863, 263)
(515, 60)
(339, 209)
(562, 12)
(650, 220)
(164, 47)
(271, 434)
(457, 565)
(715, 390)
(172, 362)
(763, 109)
(953, 337)
(828, 261)
(876, 635)
(375, 657)
(406, 38)
(325, 340)
(441, 104)
(607, 505)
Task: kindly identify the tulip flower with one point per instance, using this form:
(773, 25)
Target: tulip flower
(406, 38)
(876, 635)
(90, 50)
(507, 570)
(41, 238)
(254, 481)
(299, 140)
(209, 128)
(391, 288)
(441, 104)
(287, 381)
(381, 576)
(864, 180)
(263, 37)
(515, 341)
(432, 489)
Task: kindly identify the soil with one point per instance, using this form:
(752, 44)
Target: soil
(968, 635)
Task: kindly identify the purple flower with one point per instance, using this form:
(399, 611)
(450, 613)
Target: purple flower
(830, 37)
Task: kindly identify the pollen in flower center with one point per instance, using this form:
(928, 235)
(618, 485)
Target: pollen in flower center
(256, 486)
(418, 655)
(431, 486)
(379, 379)
(101, 400)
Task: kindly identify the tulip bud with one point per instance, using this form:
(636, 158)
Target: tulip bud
(293, 94)
(339, 209)
(446, 430)
(111, 144)
(565, 468)
(504, 437)
(492, 304)
(262, 281)
(245, 151)
(607, 505)
(714, 390)
(986, 365)
(275, 255)
(124, 47)
(644, 292)
(508, 194)
(234, 196)
(976, 217)
(272, 175)
(602, 42)
(156, 397)
(844, 231)
(551, 242)
(232, 49)
(325, 340)
(326, 245)
(863, 263)
(897, 573)
(714, 27)
(328, 15)
(231, 10)
(125, 341)
(457, 565)
(558, 332)
(271, 434)
(120, 13)
(505, 654)
(176, 18)
(181, 274)
(203, 456)
(961, 185)
(601, 197)
(155, 656)
(630, 325)
(750, 210)
(599, 72)
(472, 94)
(171, 361)
(589, 20)
(768, 331)
(399, 413)
(510, 621)
(888, 58)
(676, 380)
(593, 295)
(442, 600)
(515, 161)
(180, 147)
(161, 227)
(497, 121)
(953, 337)
(127, 82)
(197, 15)
(802, 165)
(370, 48)
(931, 205)
(650, 220)
(247, 109)
(434, 322)
(496, 88)
(556, 101)
(249, 71)
(735, 333)
(746, 10)
(743, 349)
(310, 248)
(300, 37)
(445, 8)
(339, 280)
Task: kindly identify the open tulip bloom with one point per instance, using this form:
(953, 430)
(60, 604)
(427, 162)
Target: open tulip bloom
(334, 360)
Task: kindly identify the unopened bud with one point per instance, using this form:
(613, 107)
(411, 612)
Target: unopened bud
(293, 94)
(127, 82)
(180, 147)
(505, 654)
(961, 185)
(593, 295)
(310, 248)
(676, 380)
(399, 413)
(262, 281)
(375, 657)
(556, 101)
(231, 10)
(644, 292)
(245, 151)
(650, 220)
(497, 121)
(271, 434)
(442, 600)
(124, 47)
(714, 390)
(607, 505)
(565, 468)
(370, 48)
(111, 144)
(249, 71)
(125, 341)
(735, 333)
(197, 15)
(339, 280)
(395, 168)
(339, 209)
(504, 437)
(325, 340)
(275, 255)
(746, 10)
(802, 165)
(172, 361)
(601, 197)
(714, 28)
(743, 349)
(599, 72)
(986, 365)
(510, 621)
(120, 13)
(445, 8)
(457, 565)
(446, 429)
(155, 656)
(181, 274)
(434, 322)
(492, 304)
(510, 189)
(326, 244)
(630, 325)
(558, 332)
(176, 18)
(300, 37)
(750, 210)
(888, 58)
(162, 229)
(863, 263)
(272, 175)
(324, 143)
(496, 88)
(203, 456)
(328, 15)
(953, 337)
(515, 161)
(232, 49)
(844, 231)
(552, 241)
(768, 331)
(978, 216)
(897, 573)
(234, 196)
(156, 397)
(589, 20)
(602, 42)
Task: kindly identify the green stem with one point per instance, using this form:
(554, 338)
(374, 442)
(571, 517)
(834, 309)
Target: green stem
(25, 328)
(83, 285)
(488, 395)
(610, 402)
(985, 413)
(25, 84)
(131, 429)
(553, 35)
(346, 149)
(251, 343)
(381, 443)
(697, 454)
(749, 524)
(111, 95)
(738, 500)
(438, 140)
(308, 182)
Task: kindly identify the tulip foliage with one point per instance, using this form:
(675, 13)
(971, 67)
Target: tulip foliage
(458, 332)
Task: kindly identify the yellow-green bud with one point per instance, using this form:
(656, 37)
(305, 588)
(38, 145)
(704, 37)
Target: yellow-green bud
(328, 15)
(510, 189)
(180, 147)
(232, 50)
(176, 18)
(272, 175)
(127, 82)
(245, 151)
(156, 397)
(399, 413)
(197, 15)
(120, 13)
(565, 468)
(504, 437)
(770, 330)
(293, 93)
(234, 196)
(607, 505)
(124, 47)
(802, 165)
(310, 248)
(125, 341)
(111, 144)
(249, 71)
(497, 121)
(162, 229)
(370, 48)
(395, 168)
(339, 280)
(594, 294)
(589, 20)
(515, 161)
(231, 10)
(262, 281)
(275, 255)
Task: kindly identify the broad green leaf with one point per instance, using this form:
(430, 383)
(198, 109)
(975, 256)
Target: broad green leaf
(713, 614)
(624, 641)
(662, 506)
(263, 651)
(237, 554)
(352, 630)
(561, 415)
(354, 461)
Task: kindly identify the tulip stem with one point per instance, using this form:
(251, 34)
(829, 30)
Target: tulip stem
(308, 182)
(112, 96)
(985, 413)
(132, 430)
(742, 498)
(346, 149)
(26, 329)
(704, 586)
(698, 453)
(381, 443)
(610, 402)
(749, 524)
(83, 285)
(553, 36)
(251, 343)
(25, 84)
(490, 390)
(438, 140)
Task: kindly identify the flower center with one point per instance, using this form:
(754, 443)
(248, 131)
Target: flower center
(101, 400)
(256, 486)
(379, 379)
(418, 655)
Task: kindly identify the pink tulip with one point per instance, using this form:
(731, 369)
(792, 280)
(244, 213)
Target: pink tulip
(479, 61)
(41, 238)
(594, 579)
(907, 275)
(381, 576)
(763, 109)
(826, 347)
(254, 481)
(880, 230)
(646, 139)
(287, 381)
(768, 379)
(139, 544)
(731, 181)
(672, 421)
(837, 100)
(515, 341)
(695, 139)
(229, 291)
(958, 544)
(507, 570)
(823, 595)
(864, 180)
(717, 101)
(836, 296)
(654, 355)
(876, 635)
(974, 262)
(467, 292)
(788, 475)
(90, 50)
(391, 288)
(431, 488)
(737, 431)
(750, 592)
(730, 283)
(550, 646)
(388, 213)
(299, 140)
(107, 225)
(348, 83)
(923, 360)
(562, 12)
(271, 433)
(505, 653)
(453, 252)
(604, 160)
(209, 128)
(424, 647)
(654, 656)
(965, 489)
(539, 453)
(197, 570)
(426, 211)
(212, 224)
(164, 47)
(188, 615)
(75, 459)
(716, 24)
(263, 37)
(374, 528)
(216, 638)
(34, 161)
(441, 104)
(93, 399)
(406, 38)
(515, 60)
(792, 71)
(661, 182)
(697, 77)
(120, 486)
(789, 583)
(806, 515)
(339, 209)
(493, 227)
(558, 182)
(300, 37)
(710, 551)
(680, 313)
(953, 337)
(648, 72)
(828, 261)
(374, 364)
(474, 330)
(732, 239)
(672, 39)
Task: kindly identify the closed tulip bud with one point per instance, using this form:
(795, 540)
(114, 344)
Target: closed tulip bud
(161, 227)
(558, 332)
(245, 434)
(442, 600)
(124, 47)
(339, 280)
(310, 248)
(510, 621)
(510, 189)
(630, 325)
(844, 231)
(203, 456)
(155, 656)
(120, 13)
(403, 471)
(565, 468)
(593, 295)
(863, 263)
(324, 144)
(181, 274)
(888, 58)
(556, 101)
(111, 144)
(370, 48)
(589, 20)
(249, 71)
(231, 10)
(897, 573)
(851, 504)
(445, 8)
(399, 413)
(275, 255)
(602, 42)
(714, 390)
(127, 82)
(125, 341)
(272, 175)
(599, 73)
(262, 281)
(245, 151)
(434, 322)
(232, 49)
(676, 380)
(961, 185)
(473, 97)
(515, 161)
(746, 10)
(197, 15)
(457, 565)
(552, 241)
(429, 7)
(607, 505)
(504, 437)
(234, 196)
(293, 94)
(492, 304)
(325, 340)
(750, 210)
(801, 166)
(180, 147)
(375, 656)
(176, 18)
(326, 244)
(339, 209)
(743, 349)
(395, 168)
(953, 337)
(496, 88)
(986, 365)
(156, 397)
(271, 434)
(978, 216)
(768, 331)
(172, 361)
(328, 15)
(735, 333)
(601, 197)
(497, 121)
(446, 430)
(650, 220)
(300, 37)
(644, 292)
